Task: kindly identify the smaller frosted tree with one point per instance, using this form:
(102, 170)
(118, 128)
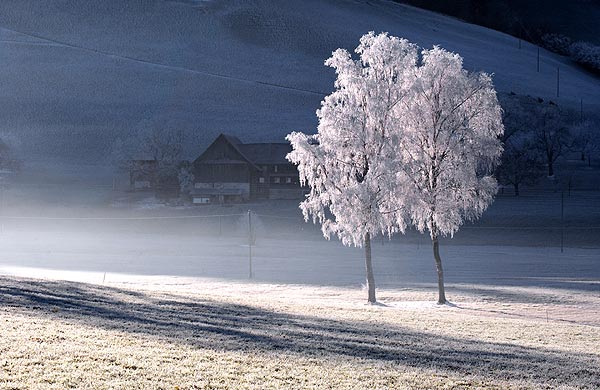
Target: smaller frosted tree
(350, 164)
(186, 180)
(551, 131)
(586, 139)
(450, 145)
(522, 163)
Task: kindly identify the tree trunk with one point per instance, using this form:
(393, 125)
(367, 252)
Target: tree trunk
(440, 271)
(550, 169)
(516, 189)
(369, 265)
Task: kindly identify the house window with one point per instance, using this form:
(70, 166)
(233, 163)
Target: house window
(261, 180)
(288, 180)
(276, 180)
(275, 169)
(201, 200)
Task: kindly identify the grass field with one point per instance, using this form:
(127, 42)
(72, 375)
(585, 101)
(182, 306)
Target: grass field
(186, 333)
(137, 298)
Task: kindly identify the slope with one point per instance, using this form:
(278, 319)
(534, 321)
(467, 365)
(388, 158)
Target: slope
(76, 75)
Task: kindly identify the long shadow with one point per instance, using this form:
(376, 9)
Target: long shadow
(227, 326)
(505, 295)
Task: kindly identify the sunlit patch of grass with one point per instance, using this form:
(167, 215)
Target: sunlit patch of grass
(69, 335)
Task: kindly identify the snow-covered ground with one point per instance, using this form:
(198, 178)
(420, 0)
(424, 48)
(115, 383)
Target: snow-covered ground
(75, 76)
(157, 332)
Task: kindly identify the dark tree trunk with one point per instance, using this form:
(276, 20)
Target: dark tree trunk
(369, 265)
(550, 157)
(440, 271)
(516, 189)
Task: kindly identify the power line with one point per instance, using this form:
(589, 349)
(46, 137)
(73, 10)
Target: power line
(118, 218)
(166, 66)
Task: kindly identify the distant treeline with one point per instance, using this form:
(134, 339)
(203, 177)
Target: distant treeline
(531, 19)
(567, 27)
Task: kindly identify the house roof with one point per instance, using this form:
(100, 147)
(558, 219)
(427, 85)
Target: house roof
(254, 153)
(231, 139)
(266, 153)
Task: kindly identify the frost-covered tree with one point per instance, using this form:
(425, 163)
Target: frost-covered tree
(558, 43)
(587, 54)
(551, 131)
(351, 164)
(165, 147)
(8, 160)
(186, 180)
(450, 144)
(521, 162)
(586, 139)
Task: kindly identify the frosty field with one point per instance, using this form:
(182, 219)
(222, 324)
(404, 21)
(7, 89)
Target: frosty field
(193, 333)
(110, 298)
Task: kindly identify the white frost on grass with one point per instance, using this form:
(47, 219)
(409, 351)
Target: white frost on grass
(156, 332)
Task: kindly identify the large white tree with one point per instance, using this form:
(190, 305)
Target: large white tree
(450, 144)
(402, 138)
(351, 164)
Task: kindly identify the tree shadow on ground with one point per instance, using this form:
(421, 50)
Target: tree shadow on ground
(206, 323)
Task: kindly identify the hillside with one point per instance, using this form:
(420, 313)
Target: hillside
(76, 75)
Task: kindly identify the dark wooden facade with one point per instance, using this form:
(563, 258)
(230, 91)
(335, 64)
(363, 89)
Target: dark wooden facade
(230, 171)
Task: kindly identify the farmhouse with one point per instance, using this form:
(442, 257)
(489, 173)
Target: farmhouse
(230, 171)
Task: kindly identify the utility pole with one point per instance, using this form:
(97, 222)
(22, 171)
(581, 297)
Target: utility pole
(249, 244)
(557, 81)
(538, 59)
(1, 207)
(562, 221)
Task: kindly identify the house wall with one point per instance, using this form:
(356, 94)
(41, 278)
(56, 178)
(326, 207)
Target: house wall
(241, 186)
(222, 166)
(222, 173)
(286, 193)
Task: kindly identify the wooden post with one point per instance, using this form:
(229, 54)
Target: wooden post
(538, 59)
(249, 244)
